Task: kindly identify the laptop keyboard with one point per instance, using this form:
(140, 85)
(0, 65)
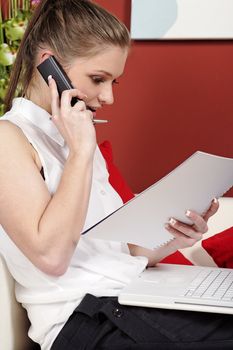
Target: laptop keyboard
(212, 284)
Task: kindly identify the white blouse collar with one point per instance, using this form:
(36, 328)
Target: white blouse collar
(39, 117)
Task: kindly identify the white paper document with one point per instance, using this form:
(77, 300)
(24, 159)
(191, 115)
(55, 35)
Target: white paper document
(192, 185)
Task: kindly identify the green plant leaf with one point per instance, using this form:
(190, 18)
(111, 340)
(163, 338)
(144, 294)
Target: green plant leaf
(3, 88)
(15, 28)
(6, 56)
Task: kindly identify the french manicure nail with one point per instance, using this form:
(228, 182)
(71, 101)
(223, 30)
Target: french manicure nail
(172, 221)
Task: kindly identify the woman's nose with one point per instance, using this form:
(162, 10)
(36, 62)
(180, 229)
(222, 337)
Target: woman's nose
(106, 95)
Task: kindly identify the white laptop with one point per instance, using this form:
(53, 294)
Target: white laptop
(181, 287)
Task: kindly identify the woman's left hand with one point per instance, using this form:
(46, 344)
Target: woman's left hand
(187, 235)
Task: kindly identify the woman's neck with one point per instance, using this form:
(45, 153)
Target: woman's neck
(40, 96)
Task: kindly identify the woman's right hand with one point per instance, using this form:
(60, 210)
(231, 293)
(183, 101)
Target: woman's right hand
(73, 122)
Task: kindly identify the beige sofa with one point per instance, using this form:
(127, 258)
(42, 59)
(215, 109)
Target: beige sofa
(13, 320)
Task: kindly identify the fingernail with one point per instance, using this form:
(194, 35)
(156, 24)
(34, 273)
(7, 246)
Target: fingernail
(49, 77)
(188, 213)
(172, 221)
(215, 200)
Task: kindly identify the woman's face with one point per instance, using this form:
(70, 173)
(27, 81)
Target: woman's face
(95, 76)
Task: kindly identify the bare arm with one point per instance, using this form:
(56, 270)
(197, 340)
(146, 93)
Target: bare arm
(45, 228)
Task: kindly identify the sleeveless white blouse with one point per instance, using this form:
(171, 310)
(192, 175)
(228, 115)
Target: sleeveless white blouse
(98, 267)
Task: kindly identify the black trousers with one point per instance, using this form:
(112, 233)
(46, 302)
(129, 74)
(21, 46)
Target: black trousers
(102, 323)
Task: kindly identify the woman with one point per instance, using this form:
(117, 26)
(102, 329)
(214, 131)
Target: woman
(54, 184)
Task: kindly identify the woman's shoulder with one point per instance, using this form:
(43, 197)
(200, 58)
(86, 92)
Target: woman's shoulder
(7, 126)
(12, 137)
(9, 129)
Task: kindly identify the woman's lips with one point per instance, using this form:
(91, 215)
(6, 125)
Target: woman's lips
(92, 110)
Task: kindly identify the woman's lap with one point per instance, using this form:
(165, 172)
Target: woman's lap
(102, 323)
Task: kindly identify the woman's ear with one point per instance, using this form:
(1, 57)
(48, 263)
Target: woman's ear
(43, 55)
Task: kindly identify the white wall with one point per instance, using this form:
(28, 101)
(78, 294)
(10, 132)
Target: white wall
(182, 19)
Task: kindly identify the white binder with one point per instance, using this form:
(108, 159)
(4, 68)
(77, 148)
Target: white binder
(192, 185)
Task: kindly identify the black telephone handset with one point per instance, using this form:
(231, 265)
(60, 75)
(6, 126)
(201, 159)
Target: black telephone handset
(50, 66)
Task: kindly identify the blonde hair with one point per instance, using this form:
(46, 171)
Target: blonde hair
(70, 28)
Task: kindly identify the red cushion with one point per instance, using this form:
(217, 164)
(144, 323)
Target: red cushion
(176, 258)
(115, 177)
(220, 248)
(124, 191)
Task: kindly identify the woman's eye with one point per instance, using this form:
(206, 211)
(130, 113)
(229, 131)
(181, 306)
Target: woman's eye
(97, 80)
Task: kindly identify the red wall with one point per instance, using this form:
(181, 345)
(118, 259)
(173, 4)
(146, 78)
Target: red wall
(175, 97)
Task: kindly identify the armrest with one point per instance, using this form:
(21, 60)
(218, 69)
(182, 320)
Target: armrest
(13, 319)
